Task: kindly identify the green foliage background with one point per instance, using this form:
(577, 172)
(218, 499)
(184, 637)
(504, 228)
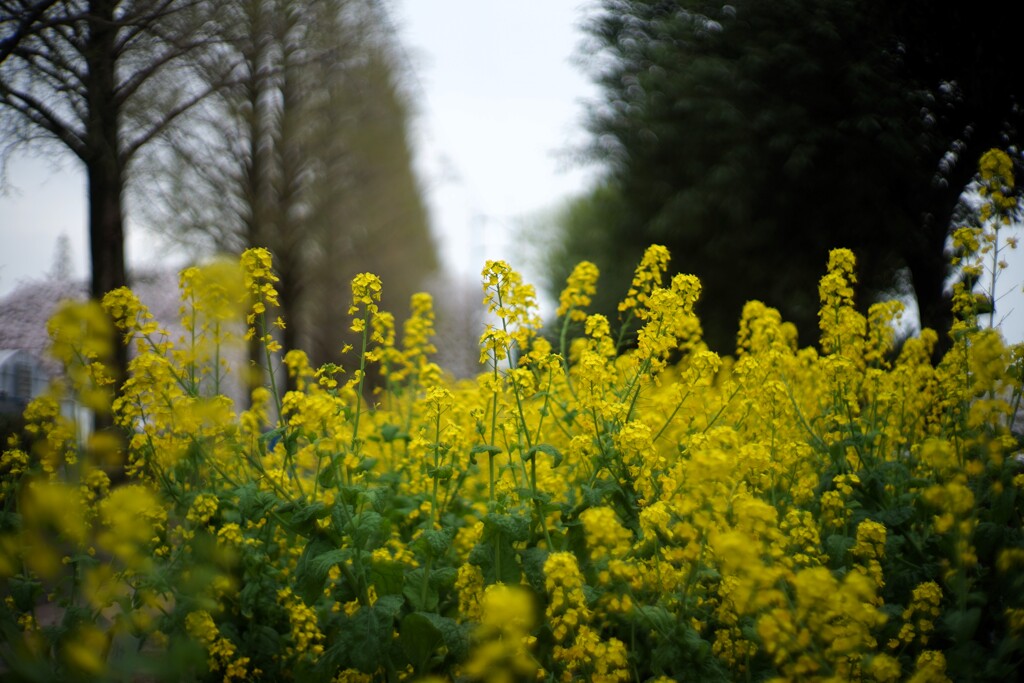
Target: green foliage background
(766, 133)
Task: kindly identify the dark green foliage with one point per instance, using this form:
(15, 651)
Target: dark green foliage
(750, 138)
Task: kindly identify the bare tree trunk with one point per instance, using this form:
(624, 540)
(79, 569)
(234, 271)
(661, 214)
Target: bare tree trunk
(105, 176)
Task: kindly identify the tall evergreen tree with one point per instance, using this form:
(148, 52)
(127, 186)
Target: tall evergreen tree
(752, 137)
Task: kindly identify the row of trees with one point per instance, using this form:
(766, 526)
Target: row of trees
(232, 123)
(752, 137)
(309, 156)
(749, 138)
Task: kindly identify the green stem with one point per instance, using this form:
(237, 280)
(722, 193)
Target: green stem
(193, 389)
(362, 380)
(270, 370)
(216, 359)
(671, 417)
(494, 431)
(437, 464)
(994, 274)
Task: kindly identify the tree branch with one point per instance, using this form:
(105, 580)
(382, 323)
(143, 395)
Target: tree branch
(130, 86)
(36, 112)
(133, 146)
(26, 27)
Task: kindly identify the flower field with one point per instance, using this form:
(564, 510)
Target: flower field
(596, 505)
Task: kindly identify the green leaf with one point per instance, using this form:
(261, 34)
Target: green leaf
(533, 566)
(434, 543)
(837, 546)
(419, 591)
(258, 637)
(341, 514)
(655, 618)
(962, 624)
(366, 464)
(511, 527)
(388, 577)
(429, 639)
(421, 640)
(367, 530)
(444, 578)
(389, 605)
(254, 503)
(348, 494)
(327, 477)
(365, 637)
(253, 595)
(322, 563)
(311, 571)
(443, 473)
(25, 592)
(547, 448)
(895, 517)
(390, 432)
(9, 521)
(302, 520)
(497, 560)
(271, 435)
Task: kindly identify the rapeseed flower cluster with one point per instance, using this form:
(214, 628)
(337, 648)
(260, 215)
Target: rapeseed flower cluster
(609, 500)
(580, 287)
(502, 649)
(220, 650)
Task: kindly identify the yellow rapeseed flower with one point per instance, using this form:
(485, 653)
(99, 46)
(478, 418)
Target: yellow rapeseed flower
(580, 286)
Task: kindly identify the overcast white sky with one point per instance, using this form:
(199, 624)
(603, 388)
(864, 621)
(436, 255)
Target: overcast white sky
(502, 105)
(501, 102)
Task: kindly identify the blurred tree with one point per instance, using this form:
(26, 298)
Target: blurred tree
(577, 239)
(102, 79)
(63, 268)
(308, 156)
(752, 137)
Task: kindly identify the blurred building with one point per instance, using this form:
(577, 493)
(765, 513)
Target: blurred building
(22, 377)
